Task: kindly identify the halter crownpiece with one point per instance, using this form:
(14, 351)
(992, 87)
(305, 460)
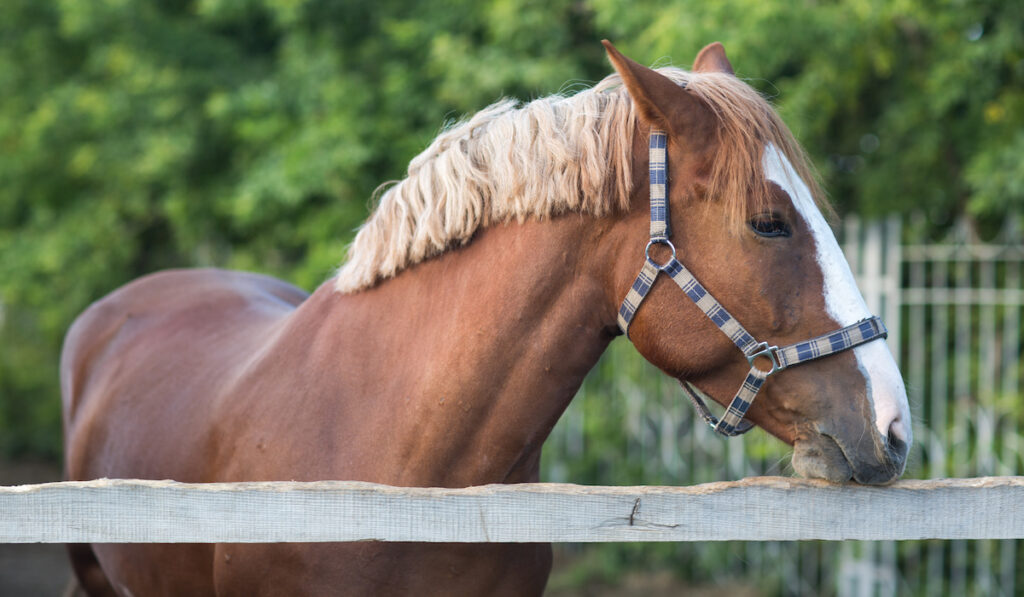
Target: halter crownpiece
(732, 422)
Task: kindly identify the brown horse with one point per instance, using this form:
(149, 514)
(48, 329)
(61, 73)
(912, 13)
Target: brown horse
(475, 299)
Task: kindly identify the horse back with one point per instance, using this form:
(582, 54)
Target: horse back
(148, 359)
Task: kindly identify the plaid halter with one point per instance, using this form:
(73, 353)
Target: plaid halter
(732, 422)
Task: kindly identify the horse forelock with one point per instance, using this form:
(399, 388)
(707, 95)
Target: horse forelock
(511, 162)
(747, 124)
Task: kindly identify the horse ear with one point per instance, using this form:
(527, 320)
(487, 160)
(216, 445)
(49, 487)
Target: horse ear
(712, 59)
(656, 97)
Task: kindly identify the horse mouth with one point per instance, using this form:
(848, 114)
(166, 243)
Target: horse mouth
(823, 457)
(820, 457)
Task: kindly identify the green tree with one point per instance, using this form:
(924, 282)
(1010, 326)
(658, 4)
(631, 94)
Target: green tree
(250, 134)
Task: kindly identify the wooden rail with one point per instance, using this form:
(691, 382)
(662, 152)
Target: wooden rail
(760, 508)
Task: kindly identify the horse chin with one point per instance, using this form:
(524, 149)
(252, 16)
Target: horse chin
(820, 457)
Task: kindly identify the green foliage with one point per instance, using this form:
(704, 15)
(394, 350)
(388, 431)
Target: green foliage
(250, 134)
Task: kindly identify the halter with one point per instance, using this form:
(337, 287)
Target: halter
(732, 422)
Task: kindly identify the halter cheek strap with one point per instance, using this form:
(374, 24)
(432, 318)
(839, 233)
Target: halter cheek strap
(732, 422)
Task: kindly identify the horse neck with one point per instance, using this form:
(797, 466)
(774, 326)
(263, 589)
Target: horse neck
(495, 338)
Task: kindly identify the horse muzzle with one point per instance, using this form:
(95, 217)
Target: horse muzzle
(823, 456)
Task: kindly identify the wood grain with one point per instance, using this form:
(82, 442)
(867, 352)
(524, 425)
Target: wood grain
(760, 508)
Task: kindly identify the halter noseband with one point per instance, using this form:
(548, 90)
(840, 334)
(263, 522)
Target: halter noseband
(732, 422)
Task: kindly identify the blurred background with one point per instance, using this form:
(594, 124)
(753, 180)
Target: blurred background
(140, 135)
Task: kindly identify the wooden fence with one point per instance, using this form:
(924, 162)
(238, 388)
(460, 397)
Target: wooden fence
(761, 508)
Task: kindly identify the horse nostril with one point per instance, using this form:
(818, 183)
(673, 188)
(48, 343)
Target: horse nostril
(897, 430)
(896, 441)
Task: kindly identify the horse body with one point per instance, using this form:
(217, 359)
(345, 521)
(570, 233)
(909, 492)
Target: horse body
(318, 389)
(450, 373)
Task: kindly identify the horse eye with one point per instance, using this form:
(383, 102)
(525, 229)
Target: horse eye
(770, 225)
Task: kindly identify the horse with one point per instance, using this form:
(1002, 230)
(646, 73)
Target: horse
(474, 299)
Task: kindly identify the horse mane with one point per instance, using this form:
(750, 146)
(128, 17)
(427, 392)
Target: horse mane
(550, 156)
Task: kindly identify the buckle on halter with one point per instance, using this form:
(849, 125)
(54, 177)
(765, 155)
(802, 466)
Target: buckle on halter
(660, 241)
(763, 349)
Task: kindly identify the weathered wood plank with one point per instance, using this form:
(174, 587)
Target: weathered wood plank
(762, 508)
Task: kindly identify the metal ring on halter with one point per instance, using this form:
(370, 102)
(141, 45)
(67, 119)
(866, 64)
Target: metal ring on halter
(660, 241)
(770, 352)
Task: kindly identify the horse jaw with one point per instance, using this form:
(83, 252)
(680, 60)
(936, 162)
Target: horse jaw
(844, 303)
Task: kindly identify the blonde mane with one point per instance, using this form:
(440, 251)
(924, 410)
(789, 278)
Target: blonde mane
(554, 155)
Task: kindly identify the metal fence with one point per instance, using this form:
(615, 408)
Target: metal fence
(953, 308)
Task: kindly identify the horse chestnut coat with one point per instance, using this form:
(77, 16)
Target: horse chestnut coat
(475, 299)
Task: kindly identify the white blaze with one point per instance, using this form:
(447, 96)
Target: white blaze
(844, 303)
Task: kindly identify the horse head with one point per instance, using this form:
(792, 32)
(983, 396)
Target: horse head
(742, 221)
